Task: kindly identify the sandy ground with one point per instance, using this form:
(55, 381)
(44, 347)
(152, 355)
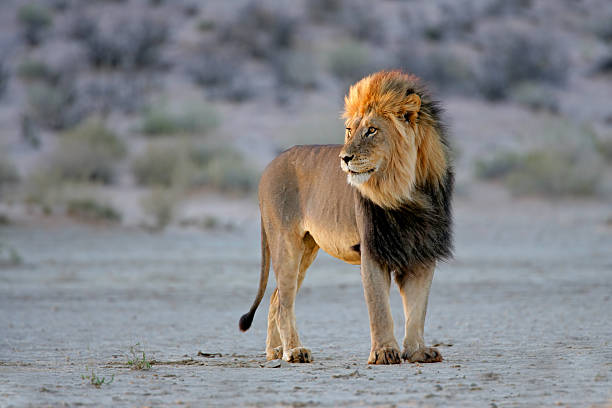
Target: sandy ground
(522, 316)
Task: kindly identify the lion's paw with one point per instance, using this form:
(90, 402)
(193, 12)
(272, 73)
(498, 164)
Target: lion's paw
(275, 353)
(385, 355)
(423, 355)
(298, 355)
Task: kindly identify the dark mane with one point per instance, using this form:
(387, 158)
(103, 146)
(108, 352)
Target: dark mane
(410, 235)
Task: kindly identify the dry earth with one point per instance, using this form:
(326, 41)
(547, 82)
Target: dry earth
(522, 316)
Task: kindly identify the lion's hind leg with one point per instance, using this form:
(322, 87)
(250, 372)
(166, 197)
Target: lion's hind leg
(283, 340)
(414, 287)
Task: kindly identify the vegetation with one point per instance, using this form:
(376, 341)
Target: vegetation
(8, 172)
(136, 361)
(160, 120)
(97, 381)
(160, 204)
(89, 209)
(35, 19)
(87, 153)
(350, 61)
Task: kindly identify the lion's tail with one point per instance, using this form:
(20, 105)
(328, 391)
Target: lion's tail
(247, 318)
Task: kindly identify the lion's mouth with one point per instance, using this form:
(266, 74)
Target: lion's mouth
(361, 172)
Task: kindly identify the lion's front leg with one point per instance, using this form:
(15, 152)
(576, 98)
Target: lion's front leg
(376, 283)
(414, 287)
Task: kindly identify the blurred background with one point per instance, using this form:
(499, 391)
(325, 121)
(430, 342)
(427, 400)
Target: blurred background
(157, 112)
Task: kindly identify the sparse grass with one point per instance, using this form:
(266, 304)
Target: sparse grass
(97, 381)
(35, 19)
(87, 153)
(137, 359)
(9, 256)
(198, 118)
(88, 209)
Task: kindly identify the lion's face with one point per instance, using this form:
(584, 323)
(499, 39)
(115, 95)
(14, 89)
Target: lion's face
(367, 147)
(391, 143)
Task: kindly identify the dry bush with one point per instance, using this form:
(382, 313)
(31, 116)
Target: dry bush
(603, 144)
(444, 66)
(535, 96)
(36, 70)
(129, 45)
(158, 165)
(90, 209)
(296, 69)
(564, 163)
(55, 105)
(8, 172)
(197, 118)
(160, 204)
(514, 53)
(88, 153)
(350, 61)
(260, 30)
(35, 19)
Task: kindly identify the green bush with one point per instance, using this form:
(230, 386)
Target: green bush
(535, 96)
(498, 166)
(555, 173)
(162, 121)
(88, 153)
(35, 19)
(8, 172)
(604, 147)
(56, 106)
(31, 69)
(350, 61)
(158, 165)
(223, 168)
(88, 209)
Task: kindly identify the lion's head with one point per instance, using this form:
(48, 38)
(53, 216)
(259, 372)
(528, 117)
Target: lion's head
(393, 141)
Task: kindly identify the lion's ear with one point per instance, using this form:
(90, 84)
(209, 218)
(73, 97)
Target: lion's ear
(412, 105)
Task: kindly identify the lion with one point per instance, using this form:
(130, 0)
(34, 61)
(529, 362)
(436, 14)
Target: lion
(382, 200)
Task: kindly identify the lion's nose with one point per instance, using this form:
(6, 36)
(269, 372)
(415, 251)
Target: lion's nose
(347, 159)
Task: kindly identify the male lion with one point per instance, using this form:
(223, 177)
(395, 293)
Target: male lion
(382, 200)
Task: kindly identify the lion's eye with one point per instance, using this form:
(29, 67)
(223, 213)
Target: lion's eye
(371, 131)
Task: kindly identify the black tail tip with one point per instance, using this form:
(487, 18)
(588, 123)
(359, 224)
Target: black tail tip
(245, 321)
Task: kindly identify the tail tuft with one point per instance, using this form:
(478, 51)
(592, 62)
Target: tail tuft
(245, 321)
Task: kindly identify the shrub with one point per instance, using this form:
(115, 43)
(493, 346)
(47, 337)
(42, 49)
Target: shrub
(160, 204)
(160, 120)
(538, 97)
(260, 30)
(89, 209)
(8, 172)
(36, 70)
(296, 69)
(88, 153)
(604, 147)
(35, 19)
(513, 54)
(130, 45)
(158, 165)
(498, 166)
(56, 106)
(444, 66)
(350, 61)
(4, 77)
(555, 173)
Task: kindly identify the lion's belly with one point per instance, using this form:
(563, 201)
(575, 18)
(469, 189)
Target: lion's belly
(340, 242)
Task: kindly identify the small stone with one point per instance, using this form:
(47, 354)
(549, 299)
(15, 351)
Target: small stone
(279, 363)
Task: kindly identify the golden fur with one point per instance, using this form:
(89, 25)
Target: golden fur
(306, 203)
